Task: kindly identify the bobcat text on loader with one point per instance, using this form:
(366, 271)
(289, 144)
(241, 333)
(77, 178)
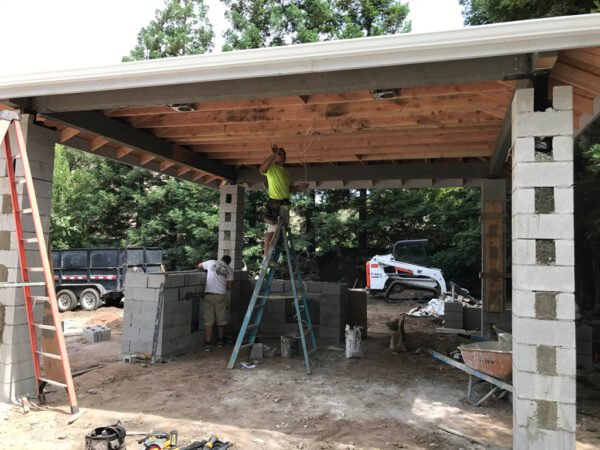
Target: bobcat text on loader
(404, 268)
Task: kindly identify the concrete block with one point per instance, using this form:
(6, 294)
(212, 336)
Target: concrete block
(547, 123)
(523, 151)
(557, 333)
(97, 333)
(174, 280)
(562, 148)
(531, 414)
(140, 347)
(565, 252)
(195, 279)
(562, 98)
(18, 371)
(563, 200)
(10, 354)
(15, 334)
(540, 174)
(522, 101)
(131, 306)
(333, 288)
(154, 280)
(534, 386)
(566, 363)
(524, 305)
(544, 278)
(136, 280)
(523, 201)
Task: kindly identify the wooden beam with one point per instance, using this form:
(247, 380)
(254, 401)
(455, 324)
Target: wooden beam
(126, 136)
(123, 151)
(577, 77)
(376, 172)
(97, 142)
(67, 134)
(401, 76)
(397, 108)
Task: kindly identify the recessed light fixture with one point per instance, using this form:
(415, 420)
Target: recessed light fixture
(182, 107)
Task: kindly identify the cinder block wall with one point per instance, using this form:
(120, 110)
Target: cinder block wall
(16, 363)
(181, 325)
(332, 306)
(543, 274)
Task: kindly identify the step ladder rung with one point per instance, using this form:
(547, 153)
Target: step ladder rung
(40, 298)
(26, 211)
(15, 156)
(42, 326)
(21, 181)
(276, 297)
(53, 383)
(253, 326)
(49, 355)
(35, 269)
(30, 240)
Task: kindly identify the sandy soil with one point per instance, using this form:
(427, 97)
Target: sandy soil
(383, 401)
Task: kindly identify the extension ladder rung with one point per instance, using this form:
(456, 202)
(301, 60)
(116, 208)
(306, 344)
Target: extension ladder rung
(42, 326)
(35, 269)
(30, 240)
(21, 181)
(21, 284)
(253, 326)
(53, 383)
(40, 298)
(49, 355)
(16, 156)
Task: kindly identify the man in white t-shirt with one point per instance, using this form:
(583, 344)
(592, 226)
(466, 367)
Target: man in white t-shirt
(219, 279)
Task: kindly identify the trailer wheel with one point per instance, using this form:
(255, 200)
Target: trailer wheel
(66, 300)
(90, 299)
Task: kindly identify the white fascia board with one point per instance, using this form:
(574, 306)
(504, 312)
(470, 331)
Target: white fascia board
(529, 36)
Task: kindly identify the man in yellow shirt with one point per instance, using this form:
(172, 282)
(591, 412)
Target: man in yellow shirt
(279, 188)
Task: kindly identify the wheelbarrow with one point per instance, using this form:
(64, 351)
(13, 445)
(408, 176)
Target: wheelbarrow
(487, 361)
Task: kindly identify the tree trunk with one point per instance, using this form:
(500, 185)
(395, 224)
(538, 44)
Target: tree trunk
(362, 217)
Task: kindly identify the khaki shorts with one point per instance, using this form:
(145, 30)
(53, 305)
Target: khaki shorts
(284, 213)
(215, 309)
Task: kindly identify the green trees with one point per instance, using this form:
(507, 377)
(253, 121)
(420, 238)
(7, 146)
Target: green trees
(478, 12)
(267, 23)
(99, 202)
(181, 28)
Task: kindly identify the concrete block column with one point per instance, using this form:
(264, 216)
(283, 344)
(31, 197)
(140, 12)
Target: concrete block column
(16, 366)
(543, 273)
(231, 225)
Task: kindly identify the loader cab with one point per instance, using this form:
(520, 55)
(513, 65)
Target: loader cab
(412, 252)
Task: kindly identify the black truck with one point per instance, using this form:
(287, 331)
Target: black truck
(92, 277)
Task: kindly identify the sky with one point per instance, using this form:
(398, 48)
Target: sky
(67, 34)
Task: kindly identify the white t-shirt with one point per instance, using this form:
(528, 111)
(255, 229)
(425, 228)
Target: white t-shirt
(217, 275)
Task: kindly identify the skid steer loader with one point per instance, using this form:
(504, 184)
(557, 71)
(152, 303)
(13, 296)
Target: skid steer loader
(404, 268)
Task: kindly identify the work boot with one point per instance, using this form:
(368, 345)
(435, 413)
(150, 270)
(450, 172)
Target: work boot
(208, 347)
(220, 343)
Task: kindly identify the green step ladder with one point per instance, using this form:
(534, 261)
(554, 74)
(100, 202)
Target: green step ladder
(251, 324)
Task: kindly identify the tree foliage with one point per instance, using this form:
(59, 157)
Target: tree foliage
(479, 12)
(181, 28)
(268, 23)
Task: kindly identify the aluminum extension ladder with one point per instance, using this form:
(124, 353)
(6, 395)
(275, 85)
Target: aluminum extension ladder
(283, 243)
(51, 328)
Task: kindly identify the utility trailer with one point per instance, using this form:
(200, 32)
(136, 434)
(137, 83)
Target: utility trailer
(92, 277)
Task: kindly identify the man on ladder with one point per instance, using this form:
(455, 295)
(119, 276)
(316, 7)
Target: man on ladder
(278, 242)
(279, 187)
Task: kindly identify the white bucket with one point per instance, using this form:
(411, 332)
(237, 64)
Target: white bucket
(353, 342)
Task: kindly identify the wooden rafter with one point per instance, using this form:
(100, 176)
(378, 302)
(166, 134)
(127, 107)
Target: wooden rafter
(97, 143)
(67, 134)
(146, 158)
(123, 151)
(164, 165)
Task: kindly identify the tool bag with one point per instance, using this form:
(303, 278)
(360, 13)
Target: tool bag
(111, 437)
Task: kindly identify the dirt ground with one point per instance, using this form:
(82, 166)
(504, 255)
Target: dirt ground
(383, 401)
